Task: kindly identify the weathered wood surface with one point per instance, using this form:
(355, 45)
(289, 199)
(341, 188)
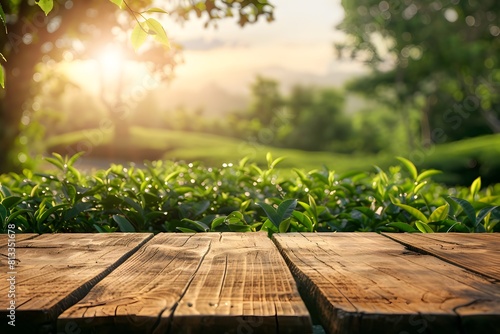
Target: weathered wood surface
(182, 283)
(54, 271)
(368, 283)
(478, 252)
(4, 238)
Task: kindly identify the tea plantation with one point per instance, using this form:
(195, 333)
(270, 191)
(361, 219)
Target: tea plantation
(167, 196)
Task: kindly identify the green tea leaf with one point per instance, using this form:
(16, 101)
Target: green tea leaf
(45, 5)
(3, 213)
(440, 213)
(3, 19)
(423, 227)
(285, 209)
(475, 187)
(50, 211)
(2, 76)
(123, 223)
(217, 222)
(284, 226)
(304, 220)
(269, 159)
(428, 173)
(5, 191)
(13, 215)
(185, 230)
(271, 213)
(276, 162)
(483, 213)
(74, 158)
(409, 166)
(199, 226)
(55, 162)
(414, 212)
(468, 209)
(11, 201)
(138, 36)
(404, 227)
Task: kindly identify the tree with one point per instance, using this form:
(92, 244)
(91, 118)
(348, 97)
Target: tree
(76, 28)
(317, 120)
(442, 58)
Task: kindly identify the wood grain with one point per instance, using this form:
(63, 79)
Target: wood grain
(367, 283)
(478, 252)
(54, 271)
(207, 282)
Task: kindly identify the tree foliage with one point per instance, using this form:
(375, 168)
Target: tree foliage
(76, 29)
(438, 56)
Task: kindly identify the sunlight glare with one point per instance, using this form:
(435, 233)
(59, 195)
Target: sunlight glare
(111, 60)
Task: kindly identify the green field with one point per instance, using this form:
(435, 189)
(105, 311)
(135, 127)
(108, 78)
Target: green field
(462, 161)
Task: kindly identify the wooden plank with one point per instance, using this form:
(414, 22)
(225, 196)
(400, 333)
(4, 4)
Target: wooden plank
(18, 237)
(56, 270)
(185, 283)
(477, 252)
(367, 283)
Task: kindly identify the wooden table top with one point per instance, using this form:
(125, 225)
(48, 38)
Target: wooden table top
(248, 283)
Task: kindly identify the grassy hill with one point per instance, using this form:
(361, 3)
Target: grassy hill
(462, 161)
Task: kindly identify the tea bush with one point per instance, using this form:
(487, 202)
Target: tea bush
(167, 196)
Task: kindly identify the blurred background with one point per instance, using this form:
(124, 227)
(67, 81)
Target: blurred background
(342, 84)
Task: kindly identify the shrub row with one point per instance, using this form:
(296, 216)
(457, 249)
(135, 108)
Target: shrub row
(167, 196)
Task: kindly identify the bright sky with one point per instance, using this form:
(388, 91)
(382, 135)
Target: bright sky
(300, 40)
(295, 48)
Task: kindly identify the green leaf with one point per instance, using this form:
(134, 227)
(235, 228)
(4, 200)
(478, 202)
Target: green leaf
(2, 76)
(45, 5)
(119, 3)
(13, 215)
(157, 30)
(185, 230)
(3, 19)
(423, 227)
(419, 187)
(468, 209)
(304, 220)
(269, 159)
(276, 161)
(11, 201)
(138, 36)
(155, 10)
(428, 173)
(3, 213)
(199, 226)
(483, 213)
(440, 213)
(123, 223)
(50, 211)
(217, 222)
(285, 209)
(409, 166)
(403, 227)
(5, 191)
(239, 228)
(271, 213)
(475, 187)
(56, 163)
(74, 158)
(414, 212)
(284, 226)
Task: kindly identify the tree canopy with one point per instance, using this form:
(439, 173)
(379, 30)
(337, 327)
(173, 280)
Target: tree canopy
(65, 29)
(440, 57)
